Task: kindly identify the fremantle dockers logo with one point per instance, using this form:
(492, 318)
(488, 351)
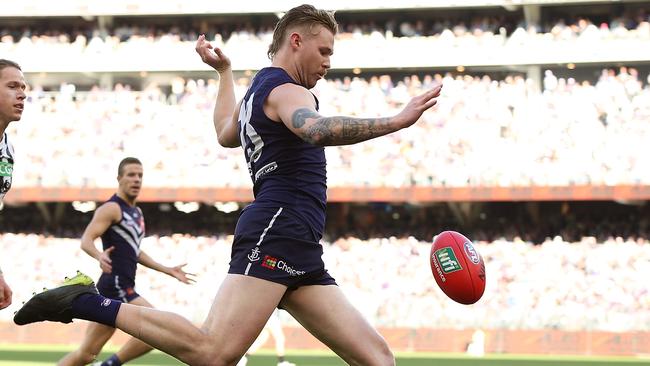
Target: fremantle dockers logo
(255, 254)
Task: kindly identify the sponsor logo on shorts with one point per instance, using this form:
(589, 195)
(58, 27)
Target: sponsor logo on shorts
(130, 291)
(471, 253)
(274, 263)
(269, 262)
(292, 272)
(106, 302)
(6, 169)
(447, 259)
(255, 255)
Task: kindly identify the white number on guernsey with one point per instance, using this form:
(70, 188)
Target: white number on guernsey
(245, 112)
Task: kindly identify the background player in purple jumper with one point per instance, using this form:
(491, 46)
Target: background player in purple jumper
(120, 224)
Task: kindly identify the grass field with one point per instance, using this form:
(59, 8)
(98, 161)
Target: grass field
(21, 355)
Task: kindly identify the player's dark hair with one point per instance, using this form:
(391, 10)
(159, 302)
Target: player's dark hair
(305, 16)
(8, 63)
(126, 161)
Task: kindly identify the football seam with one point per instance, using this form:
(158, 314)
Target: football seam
(464, 256)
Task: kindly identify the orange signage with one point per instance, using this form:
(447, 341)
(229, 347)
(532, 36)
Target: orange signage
(349, 194)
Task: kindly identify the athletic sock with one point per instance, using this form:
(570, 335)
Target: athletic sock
(96, 308)
(113, 361)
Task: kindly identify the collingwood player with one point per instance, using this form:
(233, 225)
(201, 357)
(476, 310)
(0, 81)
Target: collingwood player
(12, 103)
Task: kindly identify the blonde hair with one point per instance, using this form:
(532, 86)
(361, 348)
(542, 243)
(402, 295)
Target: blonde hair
(303, 15)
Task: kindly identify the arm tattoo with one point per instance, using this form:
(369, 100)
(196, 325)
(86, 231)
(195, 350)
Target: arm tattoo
(339, 130)
(355, 127)
(300, 116)
(320, 133)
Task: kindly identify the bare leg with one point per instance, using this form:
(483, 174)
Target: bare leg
(326, 313)
(239, 311)
(96, 337)
(259, 341)
(134, 347)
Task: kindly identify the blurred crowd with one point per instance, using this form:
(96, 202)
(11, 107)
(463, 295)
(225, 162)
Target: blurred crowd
(495, 29)
(583, 285)
(373, 41)
(483, 132)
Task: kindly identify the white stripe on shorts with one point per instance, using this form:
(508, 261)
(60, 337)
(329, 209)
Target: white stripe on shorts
(120, 292)
(248, 267)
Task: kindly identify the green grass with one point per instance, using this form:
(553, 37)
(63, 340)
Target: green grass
(41, 355)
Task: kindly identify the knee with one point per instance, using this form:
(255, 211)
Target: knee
(390, 360)
(381, 356)
(207, 354)
(86, 357)
(222, 359)
(217, 360)
(377, 355)
(386, 357)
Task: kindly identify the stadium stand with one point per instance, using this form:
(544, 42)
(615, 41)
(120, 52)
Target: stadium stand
(538, 151)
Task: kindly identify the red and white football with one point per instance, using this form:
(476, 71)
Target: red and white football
(457, 267)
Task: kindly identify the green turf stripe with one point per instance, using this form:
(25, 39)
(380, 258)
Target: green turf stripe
(29, 355)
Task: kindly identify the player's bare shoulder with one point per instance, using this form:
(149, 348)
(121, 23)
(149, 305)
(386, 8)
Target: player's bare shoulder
(286, 98)
(109, 211)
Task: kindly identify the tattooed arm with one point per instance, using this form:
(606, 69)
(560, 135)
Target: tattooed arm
(339, 130)
(295, 107)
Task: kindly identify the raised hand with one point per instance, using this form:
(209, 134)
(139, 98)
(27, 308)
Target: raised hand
(212, 56)
(417, 105)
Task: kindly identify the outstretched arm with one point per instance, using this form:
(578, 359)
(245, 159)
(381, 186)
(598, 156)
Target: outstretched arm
(225, 114)
(176, 272)
(295, 107)
(105, 216)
